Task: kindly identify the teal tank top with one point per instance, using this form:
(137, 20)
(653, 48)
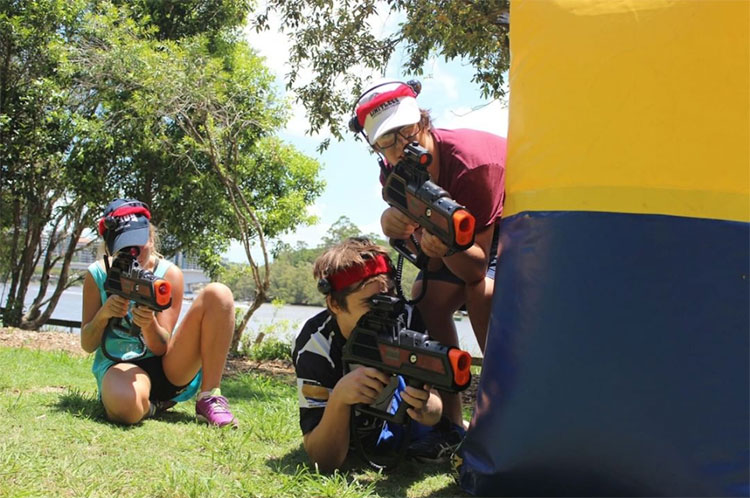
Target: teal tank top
(119, 343)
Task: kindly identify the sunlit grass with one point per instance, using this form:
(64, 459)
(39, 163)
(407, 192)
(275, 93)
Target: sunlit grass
(55, 441)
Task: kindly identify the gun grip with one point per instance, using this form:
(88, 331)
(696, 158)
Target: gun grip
(417, 259)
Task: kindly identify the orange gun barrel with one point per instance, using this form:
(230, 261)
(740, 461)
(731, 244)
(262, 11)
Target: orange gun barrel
(163, 291)
(463, 226)
(461, 362)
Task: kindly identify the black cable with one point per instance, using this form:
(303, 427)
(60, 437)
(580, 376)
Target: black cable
(399, 274)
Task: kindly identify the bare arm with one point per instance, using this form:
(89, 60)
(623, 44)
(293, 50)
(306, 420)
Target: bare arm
(328, 443)
(426, 406)
(469, 265)
(95, 316)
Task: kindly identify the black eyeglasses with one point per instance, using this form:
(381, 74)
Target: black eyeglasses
(391, 138)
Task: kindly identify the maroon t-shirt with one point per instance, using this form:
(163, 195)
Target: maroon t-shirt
(472, 171)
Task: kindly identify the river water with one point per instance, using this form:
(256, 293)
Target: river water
(282, 322)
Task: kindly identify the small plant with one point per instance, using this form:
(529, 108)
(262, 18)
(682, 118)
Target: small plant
(270, 349)
(273, 339)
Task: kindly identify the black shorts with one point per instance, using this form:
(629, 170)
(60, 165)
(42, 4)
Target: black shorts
(445, 275)
(161, 388)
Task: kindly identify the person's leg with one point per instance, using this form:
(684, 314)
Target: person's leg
(125, 393)
(479, 306)
(202, 339)
(441, 300)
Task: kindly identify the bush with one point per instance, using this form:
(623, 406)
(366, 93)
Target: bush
(270, 349)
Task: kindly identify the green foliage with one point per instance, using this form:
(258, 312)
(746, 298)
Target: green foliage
(161, 101)
(198, 115)
(340, 43)
(177, 19)
(269, 349)
(40, 211)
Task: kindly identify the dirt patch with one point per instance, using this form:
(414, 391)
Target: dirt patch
(11, 337)
(281, 369)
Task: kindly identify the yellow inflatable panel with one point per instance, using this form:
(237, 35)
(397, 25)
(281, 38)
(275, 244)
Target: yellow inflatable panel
(633, 106)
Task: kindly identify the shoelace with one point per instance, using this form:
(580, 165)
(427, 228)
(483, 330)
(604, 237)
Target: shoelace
(446, 449)
(218, 404)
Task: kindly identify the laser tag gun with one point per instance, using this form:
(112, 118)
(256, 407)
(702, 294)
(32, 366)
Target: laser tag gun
(126, 278)
(381, 340)
(409, 189)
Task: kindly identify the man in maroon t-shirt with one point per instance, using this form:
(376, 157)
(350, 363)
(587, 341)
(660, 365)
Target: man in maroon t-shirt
(470, 166)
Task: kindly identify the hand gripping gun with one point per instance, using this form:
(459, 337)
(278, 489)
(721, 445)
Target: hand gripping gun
(409, 189)
(126, 278)
(381, 340)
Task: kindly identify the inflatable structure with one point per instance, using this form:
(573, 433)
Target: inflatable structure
(617, 362)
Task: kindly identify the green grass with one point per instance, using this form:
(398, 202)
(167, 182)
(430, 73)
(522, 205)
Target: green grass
(55, 441)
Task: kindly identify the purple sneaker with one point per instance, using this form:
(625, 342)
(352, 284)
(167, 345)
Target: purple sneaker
(214, 410)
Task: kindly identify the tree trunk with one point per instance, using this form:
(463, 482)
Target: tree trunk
(34, 319)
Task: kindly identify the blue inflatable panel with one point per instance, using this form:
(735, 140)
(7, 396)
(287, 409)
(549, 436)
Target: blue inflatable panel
(617, 362)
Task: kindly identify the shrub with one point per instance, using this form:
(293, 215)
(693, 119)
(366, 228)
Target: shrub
(270, 349)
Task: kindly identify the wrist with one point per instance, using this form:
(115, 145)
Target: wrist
(336, 400)
(154, 329)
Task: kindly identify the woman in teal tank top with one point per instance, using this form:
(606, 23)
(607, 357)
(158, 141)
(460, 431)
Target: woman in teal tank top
(176, 364)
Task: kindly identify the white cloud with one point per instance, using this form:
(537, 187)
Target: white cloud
(440, 82)
(311, 235)
(271, 44)
(373, 227)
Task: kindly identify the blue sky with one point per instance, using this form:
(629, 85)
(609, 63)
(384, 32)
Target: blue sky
(350, 171)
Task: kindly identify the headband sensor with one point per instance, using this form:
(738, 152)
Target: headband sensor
(344, 278)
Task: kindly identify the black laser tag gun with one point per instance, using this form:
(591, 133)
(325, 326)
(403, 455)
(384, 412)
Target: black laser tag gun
(409, 189)
(126, 278)
(381, 340)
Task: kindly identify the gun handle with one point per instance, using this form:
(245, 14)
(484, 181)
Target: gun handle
(418, 259)
(401, 416)
(397, 418)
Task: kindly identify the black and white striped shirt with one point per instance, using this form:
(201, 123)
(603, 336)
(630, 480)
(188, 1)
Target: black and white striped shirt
(317, 361)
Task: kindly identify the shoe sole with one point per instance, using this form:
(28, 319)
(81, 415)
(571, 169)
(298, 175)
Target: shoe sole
(203, 419)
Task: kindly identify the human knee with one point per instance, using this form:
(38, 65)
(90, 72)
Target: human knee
(124, 416)
(126, 410)
(219, 294)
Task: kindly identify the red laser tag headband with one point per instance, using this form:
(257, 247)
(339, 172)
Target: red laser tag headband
(126, 208)
(125, 223)
(344, 278)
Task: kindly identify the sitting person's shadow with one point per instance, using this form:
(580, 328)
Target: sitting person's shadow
(88, 406)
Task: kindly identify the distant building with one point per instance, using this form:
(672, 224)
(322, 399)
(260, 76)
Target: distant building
(193, 275)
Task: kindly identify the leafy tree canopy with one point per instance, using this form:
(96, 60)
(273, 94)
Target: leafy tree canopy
(162, 101)
(177, 19)
(338, 43)
(194, 120)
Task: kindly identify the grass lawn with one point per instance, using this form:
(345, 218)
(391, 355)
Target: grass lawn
(55, 441)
